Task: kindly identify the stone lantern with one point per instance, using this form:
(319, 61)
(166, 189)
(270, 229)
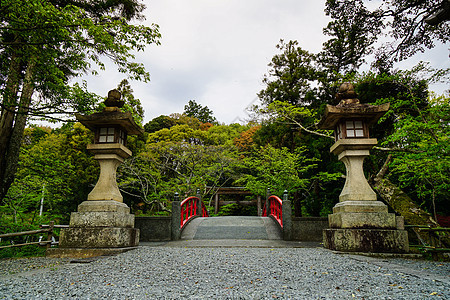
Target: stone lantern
(103, 224)
(359, 222)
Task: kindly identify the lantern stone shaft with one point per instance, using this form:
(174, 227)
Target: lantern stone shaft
(109, 158)
(352, 153)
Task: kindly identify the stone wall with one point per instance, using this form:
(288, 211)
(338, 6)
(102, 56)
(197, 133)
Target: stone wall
(308, 228)
(153, 229)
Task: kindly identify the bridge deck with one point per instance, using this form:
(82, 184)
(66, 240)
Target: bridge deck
(232, 227)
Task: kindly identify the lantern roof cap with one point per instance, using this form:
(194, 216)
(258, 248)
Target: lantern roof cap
(111, 117)
(114, 99)
(370, 114)
(349, 107)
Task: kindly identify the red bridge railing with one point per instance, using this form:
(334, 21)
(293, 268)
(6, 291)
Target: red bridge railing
(189, 209)
(275, 209)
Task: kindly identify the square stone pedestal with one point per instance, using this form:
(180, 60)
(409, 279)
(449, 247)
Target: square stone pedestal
(366, 240)
(365, 226)
(98, 228)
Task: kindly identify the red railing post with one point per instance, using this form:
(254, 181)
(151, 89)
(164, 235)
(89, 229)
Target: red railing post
(191, 207)
(274, 208)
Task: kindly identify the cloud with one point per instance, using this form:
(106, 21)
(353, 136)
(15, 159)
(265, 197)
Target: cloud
(216, 52)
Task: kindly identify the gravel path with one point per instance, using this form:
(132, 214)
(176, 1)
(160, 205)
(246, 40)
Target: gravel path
(225, 273)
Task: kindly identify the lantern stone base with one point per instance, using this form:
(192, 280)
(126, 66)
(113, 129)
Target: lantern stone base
(101, 219)
(99, 237)
(85, 252)
(365, 226)
(366, 240)
(363, 215)
(97, 227)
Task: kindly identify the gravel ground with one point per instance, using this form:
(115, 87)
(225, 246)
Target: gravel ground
(225, 273)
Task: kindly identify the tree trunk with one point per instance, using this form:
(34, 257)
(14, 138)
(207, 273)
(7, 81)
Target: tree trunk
(8, 113)
(15, 142)
(401, 203)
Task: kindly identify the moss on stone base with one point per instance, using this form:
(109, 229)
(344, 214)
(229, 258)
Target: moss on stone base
(366, 240)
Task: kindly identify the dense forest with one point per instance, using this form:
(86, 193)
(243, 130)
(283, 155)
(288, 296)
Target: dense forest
(46, 172)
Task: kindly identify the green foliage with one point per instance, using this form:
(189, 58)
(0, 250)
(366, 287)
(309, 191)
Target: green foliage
(235, 209)
(404, 22)
(224, 134)
(26, 222)
(44, 44)
(132, 104)
(203, 113)
(353, 31)
(415, 128)
(177, 133)
(185, 152)
(424, 170)
(277, 169)
(290, 76)
(179, 159)
(57, 168)
(159, 123)
(22, 251)
(182, 119)
(78, 34)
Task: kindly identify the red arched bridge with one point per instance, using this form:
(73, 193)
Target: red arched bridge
(191, 221)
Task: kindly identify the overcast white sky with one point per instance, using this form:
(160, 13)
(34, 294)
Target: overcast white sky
(216, 52)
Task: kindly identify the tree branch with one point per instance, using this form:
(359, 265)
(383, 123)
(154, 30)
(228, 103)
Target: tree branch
(383, 169)
(395, 149)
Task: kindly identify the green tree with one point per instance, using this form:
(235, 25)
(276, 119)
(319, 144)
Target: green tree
(290, 76)
(178, 133)
(285, 127)
(183, 119)
(224, 134)
(159, 123)
(143, 185)
(132, 104)
(423, 169)
(203, 113)
(182, 158)
(45, 43)
(409, 23)
(277, 169)
(353, 31)
(57, 169)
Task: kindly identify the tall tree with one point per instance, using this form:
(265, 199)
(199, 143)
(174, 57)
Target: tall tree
(44, 43)
(277, 169)
(353, 30)
(411, 25)
(195, 110)
(132, 104)
(290, 76)
(159, 123)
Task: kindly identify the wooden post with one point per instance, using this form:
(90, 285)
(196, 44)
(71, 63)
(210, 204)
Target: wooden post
(50, 234)
(216, 203)
(258, 205)
(268, 194)
(176, 218)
